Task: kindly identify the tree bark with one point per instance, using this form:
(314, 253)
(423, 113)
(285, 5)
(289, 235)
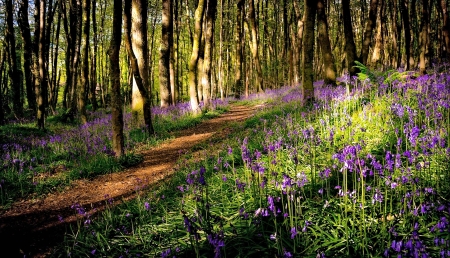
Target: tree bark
(14, 73)
(39, 64)
(298, 47)
(85, 62)
(116, 99)
(192, 76)
(164, 55)
(255, 45)
(27, 53)
(445, 29)
(378, 48)
(325, 45)
(407, 28)
(209, 40)
(308, 51)
(94, 82)
(370, 25)
(424, 37)
(2, 63)
(173, 52)
(138, 54)
(350, 48)
(238, 79)
(220, 62)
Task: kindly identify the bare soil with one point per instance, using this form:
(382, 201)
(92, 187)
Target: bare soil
(32, 227)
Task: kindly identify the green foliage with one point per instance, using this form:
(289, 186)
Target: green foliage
(365, 73)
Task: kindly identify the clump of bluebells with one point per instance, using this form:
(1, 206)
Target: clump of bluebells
(361, 172)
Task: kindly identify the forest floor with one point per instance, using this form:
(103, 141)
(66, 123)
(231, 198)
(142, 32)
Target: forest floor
(32, 227)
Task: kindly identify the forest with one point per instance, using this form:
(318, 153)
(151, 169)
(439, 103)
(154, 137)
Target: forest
(225, 128)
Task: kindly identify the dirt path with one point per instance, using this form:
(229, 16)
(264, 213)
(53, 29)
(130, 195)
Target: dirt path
(33, 227)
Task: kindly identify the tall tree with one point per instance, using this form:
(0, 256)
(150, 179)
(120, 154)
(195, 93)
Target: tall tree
(424, 37)
(325, 45)
(370, 25)
(137, 46)
(445, 29)
(254, 46)
(299, 40)
(407, 28)
(164, 55)
(2, 62)
(14, 73)
(192, 76)
(211, 9)
(93, 83)
(116, 99)
(39, 63)
(378, 48)
(24, 25)
(308, 51)
(350, 47)
(85, 62)
(239, 37)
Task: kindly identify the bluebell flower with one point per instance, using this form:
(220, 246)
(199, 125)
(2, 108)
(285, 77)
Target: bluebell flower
(293, 232)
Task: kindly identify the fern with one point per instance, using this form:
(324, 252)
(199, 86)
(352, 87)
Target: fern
(365, 73)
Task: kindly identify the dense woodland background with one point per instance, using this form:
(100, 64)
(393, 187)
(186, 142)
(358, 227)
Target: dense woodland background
(54, 54)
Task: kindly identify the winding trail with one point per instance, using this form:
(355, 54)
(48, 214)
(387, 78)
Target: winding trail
(33, 227)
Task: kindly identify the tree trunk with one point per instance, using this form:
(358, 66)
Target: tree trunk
(85, 62)
(55, 76)
(378, 48)
(238, 80)
(298, 46)
(173, 50)
(308, 51)
(370, 25)
(27, 53)
(39, 67)
(209, 39)
(164, 55)
(407, 28)
(220, 62)
(2, 64)
(192, 76)
(424, 37)
(14, 73)
(350, 48)
(116, 99)
(255, 45)
(137, 53)
(93, 84)
(325, 45)
(446, 29)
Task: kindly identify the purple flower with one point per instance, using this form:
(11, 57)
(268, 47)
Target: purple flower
(271, 204)
(166, 253)
(216, 240)
(287, 254)
(293, 232)
(147, 206)
(377, 197)
(273, 237)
